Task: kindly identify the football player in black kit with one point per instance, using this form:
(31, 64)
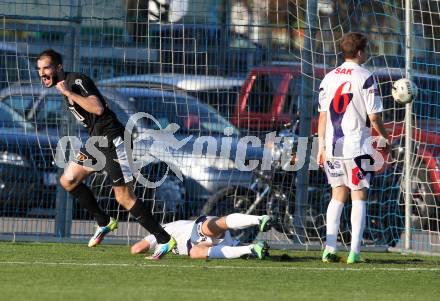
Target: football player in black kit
(88, 106)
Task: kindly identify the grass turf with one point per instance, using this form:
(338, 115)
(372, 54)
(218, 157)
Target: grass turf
(37, 271)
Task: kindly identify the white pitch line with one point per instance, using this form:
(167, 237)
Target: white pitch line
(221, 267)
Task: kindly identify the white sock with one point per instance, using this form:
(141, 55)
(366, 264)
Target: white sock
(358, 217)
(334, 211)
(237, 221)
(226, 252)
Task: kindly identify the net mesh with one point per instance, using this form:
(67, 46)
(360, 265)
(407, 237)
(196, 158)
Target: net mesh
(213, 67)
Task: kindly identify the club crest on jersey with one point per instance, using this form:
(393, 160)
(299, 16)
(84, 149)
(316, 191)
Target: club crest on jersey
(79, 82)
(333, 165)
(81, 157)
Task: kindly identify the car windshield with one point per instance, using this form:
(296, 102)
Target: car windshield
(261, 95)
(223, 100)
(41, 111)
(21, 103)
(190, 116)
(11, 119)
(50, 111)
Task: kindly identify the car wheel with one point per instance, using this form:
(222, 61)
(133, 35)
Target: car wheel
(423, 206)
(278, 208)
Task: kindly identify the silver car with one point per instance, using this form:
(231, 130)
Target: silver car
(219, 92)
(202, 174)
(204, 171)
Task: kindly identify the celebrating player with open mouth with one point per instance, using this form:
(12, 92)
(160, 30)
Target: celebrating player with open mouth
(89, 107)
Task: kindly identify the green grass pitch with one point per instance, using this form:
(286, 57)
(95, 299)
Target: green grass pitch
(37, 271)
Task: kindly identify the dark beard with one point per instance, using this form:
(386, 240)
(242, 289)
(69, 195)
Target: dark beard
(57, 77)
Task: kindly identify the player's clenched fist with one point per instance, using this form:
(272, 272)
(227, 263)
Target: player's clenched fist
(321, 157)
(62, 88)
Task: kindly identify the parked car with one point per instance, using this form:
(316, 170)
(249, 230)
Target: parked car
(263, 102)
(40, 110)
(202, 176)
(219, 92)
(27, 169)
(269, 98)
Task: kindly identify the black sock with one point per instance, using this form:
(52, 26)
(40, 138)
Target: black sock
(87, 200)
(143, 215)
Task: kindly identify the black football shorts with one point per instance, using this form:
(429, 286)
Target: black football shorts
(112, 159)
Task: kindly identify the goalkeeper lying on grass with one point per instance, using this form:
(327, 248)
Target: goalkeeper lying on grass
(208, 237)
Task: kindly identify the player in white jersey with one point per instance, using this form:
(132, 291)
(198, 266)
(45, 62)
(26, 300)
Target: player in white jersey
(348, 105)
(208, 237)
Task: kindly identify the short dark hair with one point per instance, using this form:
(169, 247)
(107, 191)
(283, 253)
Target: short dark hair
(352, 42)
(55, 57)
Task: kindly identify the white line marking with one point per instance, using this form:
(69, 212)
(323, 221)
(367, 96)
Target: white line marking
(218, 267)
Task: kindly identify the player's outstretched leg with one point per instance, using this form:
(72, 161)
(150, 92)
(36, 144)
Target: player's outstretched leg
(237, 221)
(71, 181)
(166, 243)
(142, 213)
(217, 226)
(259, 250)
(102, 231)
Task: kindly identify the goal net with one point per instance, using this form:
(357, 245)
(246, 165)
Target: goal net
(228, 73)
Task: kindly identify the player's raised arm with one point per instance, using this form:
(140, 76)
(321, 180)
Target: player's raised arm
(89, 102)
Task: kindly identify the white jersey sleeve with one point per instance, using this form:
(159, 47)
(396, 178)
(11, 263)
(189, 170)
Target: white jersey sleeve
(373, 103)
(323, 99)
